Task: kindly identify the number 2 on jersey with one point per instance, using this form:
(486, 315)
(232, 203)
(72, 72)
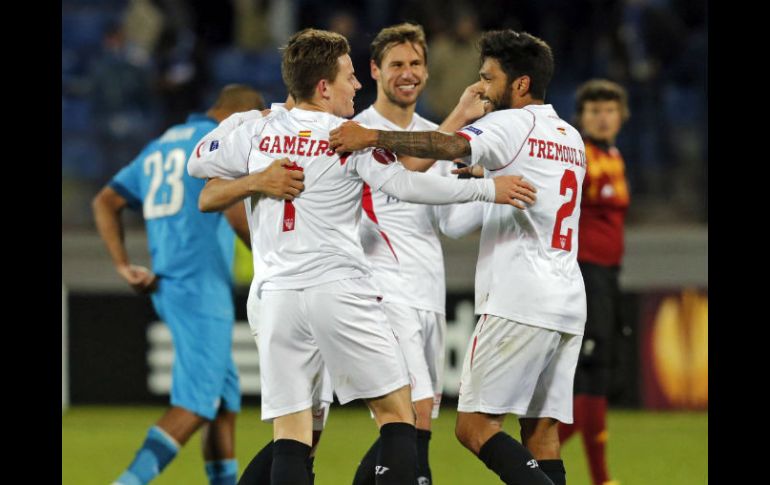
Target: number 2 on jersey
(171, 172)
(289, 213)
(559, 241)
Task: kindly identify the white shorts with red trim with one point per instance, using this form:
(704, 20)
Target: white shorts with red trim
(338, 326)
(421, 335)
(519, 369)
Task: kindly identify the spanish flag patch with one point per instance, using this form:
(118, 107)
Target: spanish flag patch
(562, 130)
(304, 133)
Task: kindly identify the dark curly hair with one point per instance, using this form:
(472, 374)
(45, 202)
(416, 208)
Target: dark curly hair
(520, 54)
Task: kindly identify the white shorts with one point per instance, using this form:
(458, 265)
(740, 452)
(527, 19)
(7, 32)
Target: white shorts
(421, 338)
(323, 396)
(339, 327)
(511, 367)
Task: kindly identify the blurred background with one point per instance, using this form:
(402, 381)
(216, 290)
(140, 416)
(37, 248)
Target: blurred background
(131, 68)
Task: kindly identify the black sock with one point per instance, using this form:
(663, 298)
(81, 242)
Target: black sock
(512, 461)
(309, 465)
(257, 472)
(555, 471)
(365, 471)
(397, 460)
(290, 463)
(423, 467)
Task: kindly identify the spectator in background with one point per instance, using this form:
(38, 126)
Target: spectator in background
(345, 23)
(120, 91)
(601, 109)
(453, 65)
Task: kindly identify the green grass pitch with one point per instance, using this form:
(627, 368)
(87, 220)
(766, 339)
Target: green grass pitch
(644, 448)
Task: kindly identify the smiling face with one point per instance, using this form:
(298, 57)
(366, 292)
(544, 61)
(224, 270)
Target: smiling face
(497, 89)
(342, 90)
(402, 73)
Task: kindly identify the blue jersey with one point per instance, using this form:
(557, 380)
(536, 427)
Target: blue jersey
(192, 252)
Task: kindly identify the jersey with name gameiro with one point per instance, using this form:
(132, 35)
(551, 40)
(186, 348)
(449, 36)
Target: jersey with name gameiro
(401, 238)
(527, 269)
(315, 238)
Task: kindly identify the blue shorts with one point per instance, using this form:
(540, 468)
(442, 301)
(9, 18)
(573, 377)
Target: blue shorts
(204, 375)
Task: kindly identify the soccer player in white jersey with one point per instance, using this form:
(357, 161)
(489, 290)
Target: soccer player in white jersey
(529, 289)
(401, 241)
(312, 298)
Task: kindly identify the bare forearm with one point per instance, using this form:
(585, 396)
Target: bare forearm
(453, 122)
(219, 194)
(110, 228)
(236, 216)
(424, 144)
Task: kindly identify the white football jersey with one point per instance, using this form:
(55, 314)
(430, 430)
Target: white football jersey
(315, 238)
(401, 238)
(527, 269)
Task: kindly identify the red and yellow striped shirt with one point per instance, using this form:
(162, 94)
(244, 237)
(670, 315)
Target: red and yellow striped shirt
(603, 207)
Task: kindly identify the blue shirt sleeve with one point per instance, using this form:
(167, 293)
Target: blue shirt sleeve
(127, 184)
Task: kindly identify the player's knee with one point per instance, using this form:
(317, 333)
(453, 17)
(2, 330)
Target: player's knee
(467, 434)
(544, 445)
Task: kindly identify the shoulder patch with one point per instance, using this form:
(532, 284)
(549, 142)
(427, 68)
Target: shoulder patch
(383, 156)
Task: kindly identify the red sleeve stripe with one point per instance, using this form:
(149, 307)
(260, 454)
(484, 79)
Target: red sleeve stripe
(464, 135)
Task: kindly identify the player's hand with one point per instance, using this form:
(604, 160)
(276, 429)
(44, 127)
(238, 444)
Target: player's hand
(281, 180)
(475, 171)
(471, 107)
(350, 136)
(514, 190)
(141, 279)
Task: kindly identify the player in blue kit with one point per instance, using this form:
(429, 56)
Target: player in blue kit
(190, 283)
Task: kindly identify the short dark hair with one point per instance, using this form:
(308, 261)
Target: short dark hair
(309, 56)
(520, 54)
(239, 97)
(395, 35)
(601, 90)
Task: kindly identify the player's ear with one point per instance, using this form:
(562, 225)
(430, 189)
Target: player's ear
(375, 70)
(521, 85)
(323, 88)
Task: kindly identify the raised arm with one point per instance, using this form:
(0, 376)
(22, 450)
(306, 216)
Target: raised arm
(275, 181)
(350, 136)
(442, 144)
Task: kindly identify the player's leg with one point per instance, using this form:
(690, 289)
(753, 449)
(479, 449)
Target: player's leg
(218, 436)
(541, 437)
(433, 326)
(423, 410)
(500, 371)
(257, 472)
(292, 440)
(482, 434)
(218, 443)
(365, 362)
(594, 366)
(397, 457)
(550, 404)
(421, 339)
(290, 364)
(160, 446)
(189, 410)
